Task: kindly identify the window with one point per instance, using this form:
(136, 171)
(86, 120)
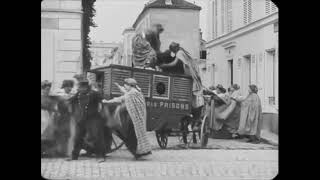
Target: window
(222, 16)
(216, 19)
(276, 26)
(161, 87)
(229, 16)
(270, 7)
(271, 76)
(247, 12)
(203, 54)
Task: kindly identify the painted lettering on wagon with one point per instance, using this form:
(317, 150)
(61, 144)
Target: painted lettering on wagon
(168, 105)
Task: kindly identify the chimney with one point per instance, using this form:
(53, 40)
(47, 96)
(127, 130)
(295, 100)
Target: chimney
(168, 2)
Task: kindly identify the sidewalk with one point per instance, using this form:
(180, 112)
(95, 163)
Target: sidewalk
(175, 144)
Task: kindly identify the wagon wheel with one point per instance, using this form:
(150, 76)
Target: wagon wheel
(116, 144)
(162, 139)
(204, 133)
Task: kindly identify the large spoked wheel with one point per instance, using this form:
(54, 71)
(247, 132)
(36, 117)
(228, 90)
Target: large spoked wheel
(162, 139)
(204, 133)
(117, 143)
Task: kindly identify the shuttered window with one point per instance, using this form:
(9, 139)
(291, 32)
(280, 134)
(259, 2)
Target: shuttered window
(181, 89)
(144, 82)
(270, 7)
(222, 16)
(229, 15)
(161, 87)
(247, 12)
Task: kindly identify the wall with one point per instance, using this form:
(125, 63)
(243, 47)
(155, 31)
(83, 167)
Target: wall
(254, 43)
(127, 43)
(180, 25)
(61, 40)
(101, 51)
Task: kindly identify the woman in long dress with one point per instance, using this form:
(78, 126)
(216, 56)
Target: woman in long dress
(133, 101)
(145, 46)
(250, 115)
(190, 68)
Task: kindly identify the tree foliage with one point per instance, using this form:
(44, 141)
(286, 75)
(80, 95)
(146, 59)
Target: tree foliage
(88, 13)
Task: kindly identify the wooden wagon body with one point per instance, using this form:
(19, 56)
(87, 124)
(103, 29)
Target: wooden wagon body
(168, 96)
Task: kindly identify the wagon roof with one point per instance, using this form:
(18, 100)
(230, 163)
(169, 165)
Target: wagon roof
(102, 69)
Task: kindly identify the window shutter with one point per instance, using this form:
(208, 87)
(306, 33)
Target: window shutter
(249, 11)
(229, 16)
(273, 7)
(267, 7)
(245, 12)
(222, 16)
(216, 18)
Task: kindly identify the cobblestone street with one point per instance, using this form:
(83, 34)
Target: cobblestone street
(259, 162)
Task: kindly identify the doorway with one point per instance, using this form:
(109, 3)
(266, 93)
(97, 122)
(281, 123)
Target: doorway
(230, 72)
(246, 74)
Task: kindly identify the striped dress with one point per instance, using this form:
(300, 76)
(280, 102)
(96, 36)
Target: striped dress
(136, 107)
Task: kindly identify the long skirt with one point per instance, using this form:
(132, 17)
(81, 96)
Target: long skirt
(127, 132)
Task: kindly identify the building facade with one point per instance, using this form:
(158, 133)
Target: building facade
(180, 20)
(61, 40)
(243, 47)
(128, 34)
(102, 53)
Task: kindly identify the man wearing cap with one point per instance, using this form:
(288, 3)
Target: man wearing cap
(89, 122)
(136, 138)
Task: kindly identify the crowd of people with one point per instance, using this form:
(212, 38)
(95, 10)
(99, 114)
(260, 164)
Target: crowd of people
(238, 115)
(86, 117)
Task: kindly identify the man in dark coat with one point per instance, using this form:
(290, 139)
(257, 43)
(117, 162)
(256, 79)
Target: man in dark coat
(85, 109)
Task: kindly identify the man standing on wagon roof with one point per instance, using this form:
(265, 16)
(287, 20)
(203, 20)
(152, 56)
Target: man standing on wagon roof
(136, 138)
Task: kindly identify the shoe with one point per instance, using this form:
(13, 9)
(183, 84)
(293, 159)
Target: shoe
(71, 159)
(138, 156)
(101, 160)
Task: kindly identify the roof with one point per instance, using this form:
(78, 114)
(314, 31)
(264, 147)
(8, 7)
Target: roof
(176, 4)
(129, 29)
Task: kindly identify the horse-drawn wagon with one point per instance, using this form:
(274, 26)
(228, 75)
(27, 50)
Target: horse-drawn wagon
(168, 99)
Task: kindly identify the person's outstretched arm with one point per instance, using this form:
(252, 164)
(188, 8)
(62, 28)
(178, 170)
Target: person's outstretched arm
(173, 63)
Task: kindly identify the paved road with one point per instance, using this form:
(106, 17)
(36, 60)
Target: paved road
(169, 164)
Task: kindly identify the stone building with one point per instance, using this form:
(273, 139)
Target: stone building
(61, 40)
(102, 53)
(243, 47)
(180, 20)
(128, 34)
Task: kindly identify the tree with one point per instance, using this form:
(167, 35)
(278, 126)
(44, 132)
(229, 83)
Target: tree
(88, 13)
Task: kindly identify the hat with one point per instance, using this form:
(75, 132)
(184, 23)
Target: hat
(45, 84)
(130, 81)
(67, 83)
(253, 88)
(221, 88)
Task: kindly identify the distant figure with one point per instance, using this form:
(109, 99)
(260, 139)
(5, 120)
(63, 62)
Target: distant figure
(145, 47)
(251, 115)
